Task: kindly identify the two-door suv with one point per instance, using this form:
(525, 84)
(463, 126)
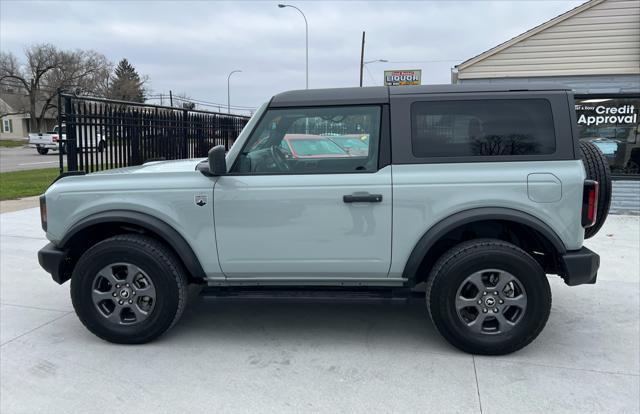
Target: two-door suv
(475, 193)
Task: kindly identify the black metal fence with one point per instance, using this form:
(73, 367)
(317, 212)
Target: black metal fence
(99, 134)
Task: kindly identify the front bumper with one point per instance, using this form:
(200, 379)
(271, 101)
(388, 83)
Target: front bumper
(580, 267)
(54, 261)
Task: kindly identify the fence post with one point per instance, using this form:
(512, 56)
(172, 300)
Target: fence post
(185, 125)
(61, 140)
(70, 141)
(135, 138)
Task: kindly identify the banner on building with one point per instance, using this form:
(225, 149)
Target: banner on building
(589, 114)
(402, 77)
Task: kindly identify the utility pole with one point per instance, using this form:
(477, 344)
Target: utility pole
(362, 59)
(170, 98)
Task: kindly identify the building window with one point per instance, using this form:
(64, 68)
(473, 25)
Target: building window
(612, 124)
(483, 127)
(7, 125)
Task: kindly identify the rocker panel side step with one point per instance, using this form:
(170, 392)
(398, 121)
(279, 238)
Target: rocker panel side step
(310, 294)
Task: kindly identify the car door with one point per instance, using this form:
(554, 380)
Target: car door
(295, 205)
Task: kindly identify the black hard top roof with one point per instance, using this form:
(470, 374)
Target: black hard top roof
(380, 94)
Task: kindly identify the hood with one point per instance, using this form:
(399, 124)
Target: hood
(156, 167)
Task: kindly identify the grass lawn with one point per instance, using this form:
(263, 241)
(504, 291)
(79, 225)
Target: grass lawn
(9, 143)
(18, 184)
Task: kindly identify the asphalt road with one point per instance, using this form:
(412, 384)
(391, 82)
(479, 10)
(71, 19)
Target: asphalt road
(310, 357)
(25, 158)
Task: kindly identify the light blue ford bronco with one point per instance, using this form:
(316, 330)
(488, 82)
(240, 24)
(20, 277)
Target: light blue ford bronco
(472, 194)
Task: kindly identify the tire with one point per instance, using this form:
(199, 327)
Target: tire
(597, 168)
(157, 273)
(42, 151)
(453, 279)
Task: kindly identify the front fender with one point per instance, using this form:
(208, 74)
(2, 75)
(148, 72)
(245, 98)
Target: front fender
(147, 222)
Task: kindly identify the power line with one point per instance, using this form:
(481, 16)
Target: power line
(200, 102)
(426, 61)
(370, 74)
(20, 86)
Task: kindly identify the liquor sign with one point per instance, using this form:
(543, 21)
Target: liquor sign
(402, 77)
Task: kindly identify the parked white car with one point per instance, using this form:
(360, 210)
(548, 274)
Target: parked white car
(51, 141)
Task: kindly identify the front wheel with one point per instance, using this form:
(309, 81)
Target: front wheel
(128, 289)
(488, 297)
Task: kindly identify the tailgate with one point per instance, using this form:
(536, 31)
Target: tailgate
(40, 139)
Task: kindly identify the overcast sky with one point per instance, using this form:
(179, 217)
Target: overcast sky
(190, 46)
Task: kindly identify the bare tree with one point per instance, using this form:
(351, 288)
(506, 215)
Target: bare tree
(48, 70)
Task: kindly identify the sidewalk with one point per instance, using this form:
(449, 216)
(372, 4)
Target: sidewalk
(283, 357)
(7, 206)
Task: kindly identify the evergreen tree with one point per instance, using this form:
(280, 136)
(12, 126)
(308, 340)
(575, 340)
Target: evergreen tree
(127, 84)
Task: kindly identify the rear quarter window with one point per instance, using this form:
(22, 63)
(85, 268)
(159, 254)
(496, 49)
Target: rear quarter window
(483, 127)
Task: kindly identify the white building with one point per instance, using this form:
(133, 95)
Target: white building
(593, 48)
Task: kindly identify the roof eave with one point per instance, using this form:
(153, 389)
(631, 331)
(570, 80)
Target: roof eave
(496, 49)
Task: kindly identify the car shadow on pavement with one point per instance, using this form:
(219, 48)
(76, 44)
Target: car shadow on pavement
(378, 325)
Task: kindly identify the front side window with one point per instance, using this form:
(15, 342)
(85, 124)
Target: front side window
(498, 127)
(337, 139)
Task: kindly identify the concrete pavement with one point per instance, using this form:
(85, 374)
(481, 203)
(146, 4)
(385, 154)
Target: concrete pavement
(284, 357)
(25, 158)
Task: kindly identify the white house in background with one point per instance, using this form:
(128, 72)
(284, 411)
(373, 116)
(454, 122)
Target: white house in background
(15, 125)
(594, 48)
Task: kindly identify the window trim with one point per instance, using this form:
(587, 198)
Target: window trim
(383, 128)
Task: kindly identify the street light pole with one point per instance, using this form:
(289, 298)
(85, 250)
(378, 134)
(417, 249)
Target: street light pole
(229, 91)
(306, 26)
(362, 59)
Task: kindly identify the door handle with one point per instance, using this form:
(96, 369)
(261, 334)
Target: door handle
(362, 198)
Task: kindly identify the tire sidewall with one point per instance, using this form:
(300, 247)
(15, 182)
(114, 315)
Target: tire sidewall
(111, 252)
(532, 279)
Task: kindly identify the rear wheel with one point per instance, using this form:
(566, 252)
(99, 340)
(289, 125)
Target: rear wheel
(42, 151)
(128, 289)
(488, 297)
(597, 168)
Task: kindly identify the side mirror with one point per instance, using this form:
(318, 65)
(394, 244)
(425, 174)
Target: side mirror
(217, 162)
